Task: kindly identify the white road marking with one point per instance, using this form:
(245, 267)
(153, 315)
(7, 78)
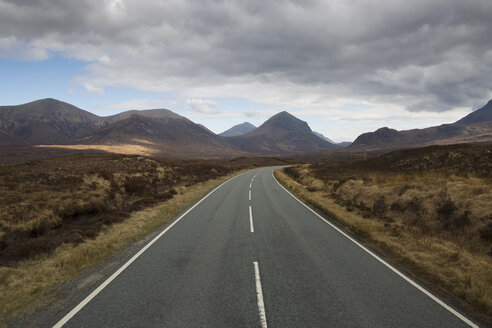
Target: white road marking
(250, 185)
(79, 307)
(249, 195)
(259, 296)
(251, 227)
(413, 283)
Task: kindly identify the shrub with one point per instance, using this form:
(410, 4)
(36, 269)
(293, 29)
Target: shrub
(486, 232)
(292, 172)
(448, 214)
(138, 185)
(379, 208)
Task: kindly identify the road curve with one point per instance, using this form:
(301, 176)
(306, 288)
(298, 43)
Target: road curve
(251, 255)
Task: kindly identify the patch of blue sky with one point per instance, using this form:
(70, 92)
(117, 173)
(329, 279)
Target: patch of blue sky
(25, 81)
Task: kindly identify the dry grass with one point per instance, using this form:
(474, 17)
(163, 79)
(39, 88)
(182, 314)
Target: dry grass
(128, 149)
(61, 215)
(436, 225)
(30, 278)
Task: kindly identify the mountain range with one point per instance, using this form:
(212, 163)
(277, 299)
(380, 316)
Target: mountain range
(56, 124)
(283, 133)
(475, 127)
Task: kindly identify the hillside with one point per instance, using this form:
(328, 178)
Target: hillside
(281, 134)
(174, 136)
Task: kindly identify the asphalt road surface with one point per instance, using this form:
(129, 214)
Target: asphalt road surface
(251, 255)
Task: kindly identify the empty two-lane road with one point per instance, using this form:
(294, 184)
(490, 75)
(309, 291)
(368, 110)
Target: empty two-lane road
(251, 255)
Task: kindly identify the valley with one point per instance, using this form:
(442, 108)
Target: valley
(77, 188)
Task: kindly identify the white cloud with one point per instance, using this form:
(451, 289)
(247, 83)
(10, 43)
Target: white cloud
(204, 106)
(12, 48)
(399, 57)
(91, 89)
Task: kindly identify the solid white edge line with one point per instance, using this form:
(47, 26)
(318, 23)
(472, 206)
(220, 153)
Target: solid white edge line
(259, 296)
(389, 266)
(79, 307)
(251, 227)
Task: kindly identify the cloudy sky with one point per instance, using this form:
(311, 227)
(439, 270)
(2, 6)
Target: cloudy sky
(346, 66)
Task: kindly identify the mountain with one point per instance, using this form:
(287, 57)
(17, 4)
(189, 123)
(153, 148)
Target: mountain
(323, 137)
(344, 144)
(172, 136)
(238, 130)
(53, 124)
(483, 114)
(46, 121)
(281, 134)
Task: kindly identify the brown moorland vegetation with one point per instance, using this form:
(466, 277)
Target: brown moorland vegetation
(427, 209)
(60, 215)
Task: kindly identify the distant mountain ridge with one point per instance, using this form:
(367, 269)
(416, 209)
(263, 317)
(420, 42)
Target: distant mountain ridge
(475, 127)
(238, 130)
(165, 133)
(152, 113)
(158, 131)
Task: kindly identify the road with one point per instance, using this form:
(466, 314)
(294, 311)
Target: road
(251, 255)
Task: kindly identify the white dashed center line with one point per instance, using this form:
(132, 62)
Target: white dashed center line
(252, 228)
(259, 296)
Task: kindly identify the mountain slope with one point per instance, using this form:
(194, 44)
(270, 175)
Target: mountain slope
(483, 114)
(238, 130)
(5, 138)
(281, 134)
(323, 137)
(172, 136)
(46, 121)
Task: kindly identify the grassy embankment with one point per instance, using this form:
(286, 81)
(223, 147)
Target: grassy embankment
(63, 215)
(428, 210)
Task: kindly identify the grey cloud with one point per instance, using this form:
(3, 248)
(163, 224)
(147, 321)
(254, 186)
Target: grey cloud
(429, 55)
